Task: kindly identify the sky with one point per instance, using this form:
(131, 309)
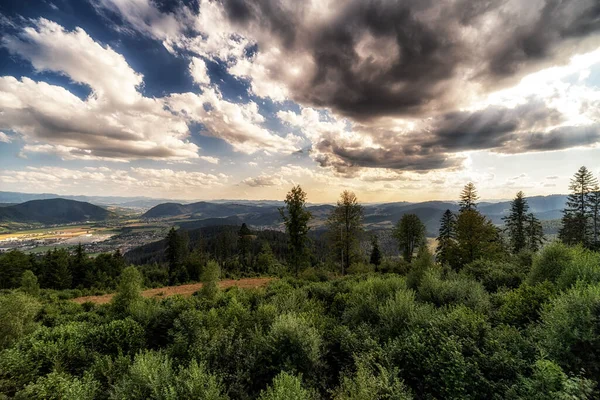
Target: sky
(396, 100)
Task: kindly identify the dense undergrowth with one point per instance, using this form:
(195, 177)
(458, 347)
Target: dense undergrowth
(512, 329)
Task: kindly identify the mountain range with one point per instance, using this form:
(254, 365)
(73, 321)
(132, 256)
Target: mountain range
(376, 215)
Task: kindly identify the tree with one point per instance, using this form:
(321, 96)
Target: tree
(515, 223)
(446, 238)
(468, 197)
(534, 233)
(29, 284)
(244, 244)
(295, 218)
(595, 215)
(129, 290)
(58, 273)
(210, 280)
(410, 233)
(176, 252)
(375, 258)
(79, 265)
(345, 225)
(476, 237)
(577, 213)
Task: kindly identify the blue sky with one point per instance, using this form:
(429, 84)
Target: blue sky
(235, 99)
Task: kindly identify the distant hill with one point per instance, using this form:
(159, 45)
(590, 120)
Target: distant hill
(53, 211)
(377, 216)
(138, 202)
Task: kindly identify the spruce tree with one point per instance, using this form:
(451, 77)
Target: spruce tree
(577, 215)
(295, 218)
(375, 258)
(468, 197)
(446, 238)
(515, 223)
(534, 233)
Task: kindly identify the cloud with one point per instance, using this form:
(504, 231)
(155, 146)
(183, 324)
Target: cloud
(264, 180)
(53, 120)
(49, 47)
(4, 138)
(368, 59)
(209, 159)
(117, 123)
(102, 179)
(238, 124)
(199, 72)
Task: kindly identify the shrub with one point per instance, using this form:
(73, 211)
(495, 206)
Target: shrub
(360, 268)
(549, 264)
(29, 284)
(372, 383)
(60, 386)
(210, 280)
(17, 313)
(285, 387)
(570, 329)
(522, 306)
(584, 266)
(453, 290)
(128, 291)
(495, 274)
(549, 382)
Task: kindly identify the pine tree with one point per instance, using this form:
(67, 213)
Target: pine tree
(468, 197)
(295, 218)
(375, 258)
(515, 223)
(345, 226)
(176, 252)
(410, 233)
(577, 215)
(534, 233)
(446, 238)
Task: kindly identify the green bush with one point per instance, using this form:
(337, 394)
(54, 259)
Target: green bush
(570, 330)
(522, 306)
(453, 290)
(17, 313)
(495, 274)
(584, 266)
(128, 291)
(550, 263)
(285, 387)
(60, 386)
(370, 383)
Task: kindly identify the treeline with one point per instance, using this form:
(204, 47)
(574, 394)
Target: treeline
(61, 269)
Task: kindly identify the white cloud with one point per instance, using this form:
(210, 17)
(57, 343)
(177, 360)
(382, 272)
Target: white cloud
(4, 138)
(199, 72)
(53, 120)
(212, 160)
(50, 47)
(238, 124)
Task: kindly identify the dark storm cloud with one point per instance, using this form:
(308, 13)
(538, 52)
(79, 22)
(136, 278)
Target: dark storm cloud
(422, 53)
(498, 129)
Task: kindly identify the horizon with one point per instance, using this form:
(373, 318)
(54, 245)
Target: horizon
(191, 100)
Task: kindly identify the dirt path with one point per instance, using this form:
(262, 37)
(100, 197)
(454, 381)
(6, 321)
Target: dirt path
(185, 290)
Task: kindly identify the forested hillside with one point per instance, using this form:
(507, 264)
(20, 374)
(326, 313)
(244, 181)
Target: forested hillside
(53, 211)
(483, 313)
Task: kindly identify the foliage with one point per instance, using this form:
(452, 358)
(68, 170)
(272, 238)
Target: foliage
(345, 225)
(29, 284)
(128, 292)
(410, 234)
(285, 387)
(576, 226)
(210, 280)
(446, 238)
(17, 313)
(375, 257)
(468, 198)
(295, 218)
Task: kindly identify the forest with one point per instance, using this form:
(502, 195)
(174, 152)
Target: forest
(483, 312)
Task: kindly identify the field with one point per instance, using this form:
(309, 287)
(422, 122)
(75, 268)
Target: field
(184, 290)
